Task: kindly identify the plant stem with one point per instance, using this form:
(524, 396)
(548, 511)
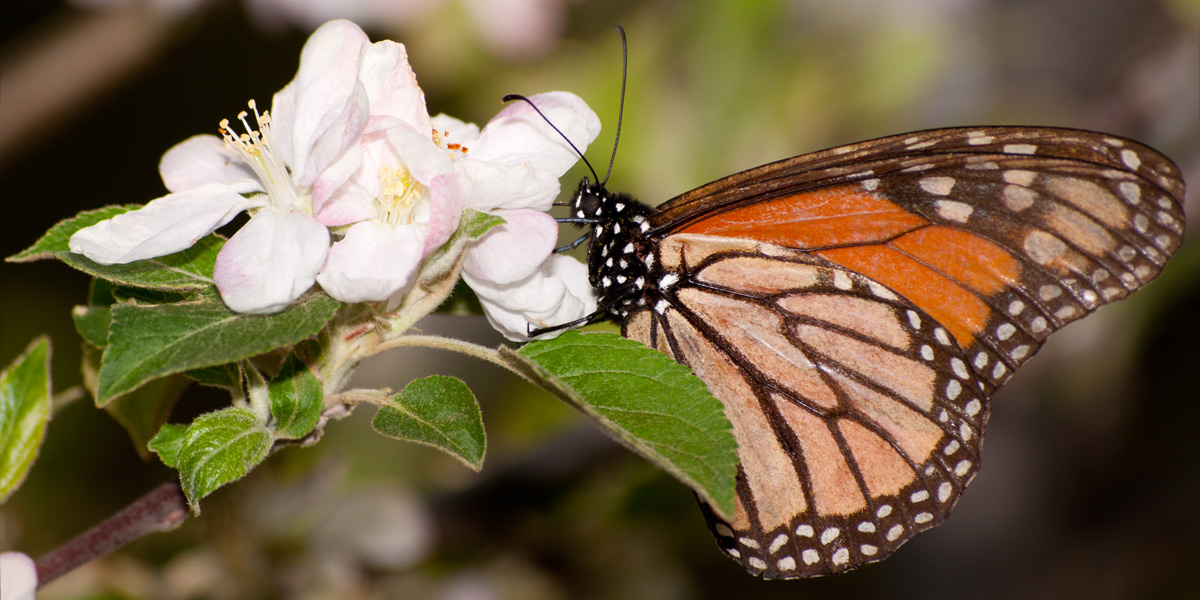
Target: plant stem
(161, 509)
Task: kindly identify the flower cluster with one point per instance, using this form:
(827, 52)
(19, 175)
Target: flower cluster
(349, 183)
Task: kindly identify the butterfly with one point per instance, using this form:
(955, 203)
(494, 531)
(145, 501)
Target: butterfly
(854, 310)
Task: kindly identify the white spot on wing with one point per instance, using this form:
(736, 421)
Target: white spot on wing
(829, 535)
(944, 491)
(954, 211)
(1131, 159)
(1020, 148)
(938, 186)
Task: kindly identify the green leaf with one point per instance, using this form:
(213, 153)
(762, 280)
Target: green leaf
(227, 376)
(92, 324)
(436, 411)
(188, 270)
(24, 412)
(143, 411)
(296, 399)
(150, 341)
(646, 401)
(220, 447)
(167, 442)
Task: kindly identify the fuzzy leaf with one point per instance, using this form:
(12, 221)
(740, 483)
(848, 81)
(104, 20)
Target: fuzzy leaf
(24, 412)
(643, 399)
(150, 341)
(167, 442)
(187, 270)
(296, 399)
(220, 447)
(436, 411)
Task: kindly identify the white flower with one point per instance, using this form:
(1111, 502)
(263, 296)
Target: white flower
(284, 167)
(396, 185)
(511, 169)
(557, 292)
(18, 576)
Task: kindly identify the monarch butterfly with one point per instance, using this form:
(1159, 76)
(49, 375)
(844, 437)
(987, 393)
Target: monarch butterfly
(854, 309)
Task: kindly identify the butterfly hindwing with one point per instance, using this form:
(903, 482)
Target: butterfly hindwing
(856, 426)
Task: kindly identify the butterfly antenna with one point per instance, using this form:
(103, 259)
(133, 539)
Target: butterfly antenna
(511, 97)
(621, 107)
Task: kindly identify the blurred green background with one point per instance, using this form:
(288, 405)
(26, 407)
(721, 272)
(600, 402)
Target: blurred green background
(1091, 476)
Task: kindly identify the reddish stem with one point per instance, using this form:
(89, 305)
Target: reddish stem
(161, 509)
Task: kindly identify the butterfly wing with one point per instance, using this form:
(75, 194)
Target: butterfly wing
(1002, 234)
(853, 309)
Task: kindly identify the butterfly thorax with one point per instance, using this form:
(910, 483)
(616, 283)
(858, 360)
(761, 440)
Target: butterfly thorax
(620, 250)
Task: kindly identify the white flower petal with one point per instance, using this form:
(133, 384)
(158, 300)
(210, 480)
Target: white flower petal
(454, 131)
(391, 85)
(419, 154)
(557, 292)
(270, 261)
(324, 106)
(492, 186)
(519, 134)
(18, 576)
(371, 262)
(164, 226)
(203, 159)
(513, 250)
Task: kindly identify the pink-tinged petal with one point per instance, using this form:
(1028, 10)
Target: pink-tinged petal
(164, 226)
(270, 261)
(519, 134)
(319, 97)
(512, 251)
(491, 186)
(340, 133)
(18, 576)
(419, 154)
(454, 131)
(203, 159)
(371, 262)
(445, 211)
(391, 85)
(350, 204)
(556, 293)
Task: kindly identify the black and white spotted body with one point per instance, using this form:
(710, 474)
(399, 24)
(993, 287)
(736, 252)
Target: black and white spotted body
(620, 253)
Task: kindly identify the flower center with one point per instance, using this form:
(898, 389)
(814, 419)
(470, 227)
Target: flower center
(399, 194)
(255, 148)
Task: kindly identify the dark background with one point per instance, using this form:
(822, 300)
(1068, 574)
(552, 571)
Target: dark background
(1090, 484)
